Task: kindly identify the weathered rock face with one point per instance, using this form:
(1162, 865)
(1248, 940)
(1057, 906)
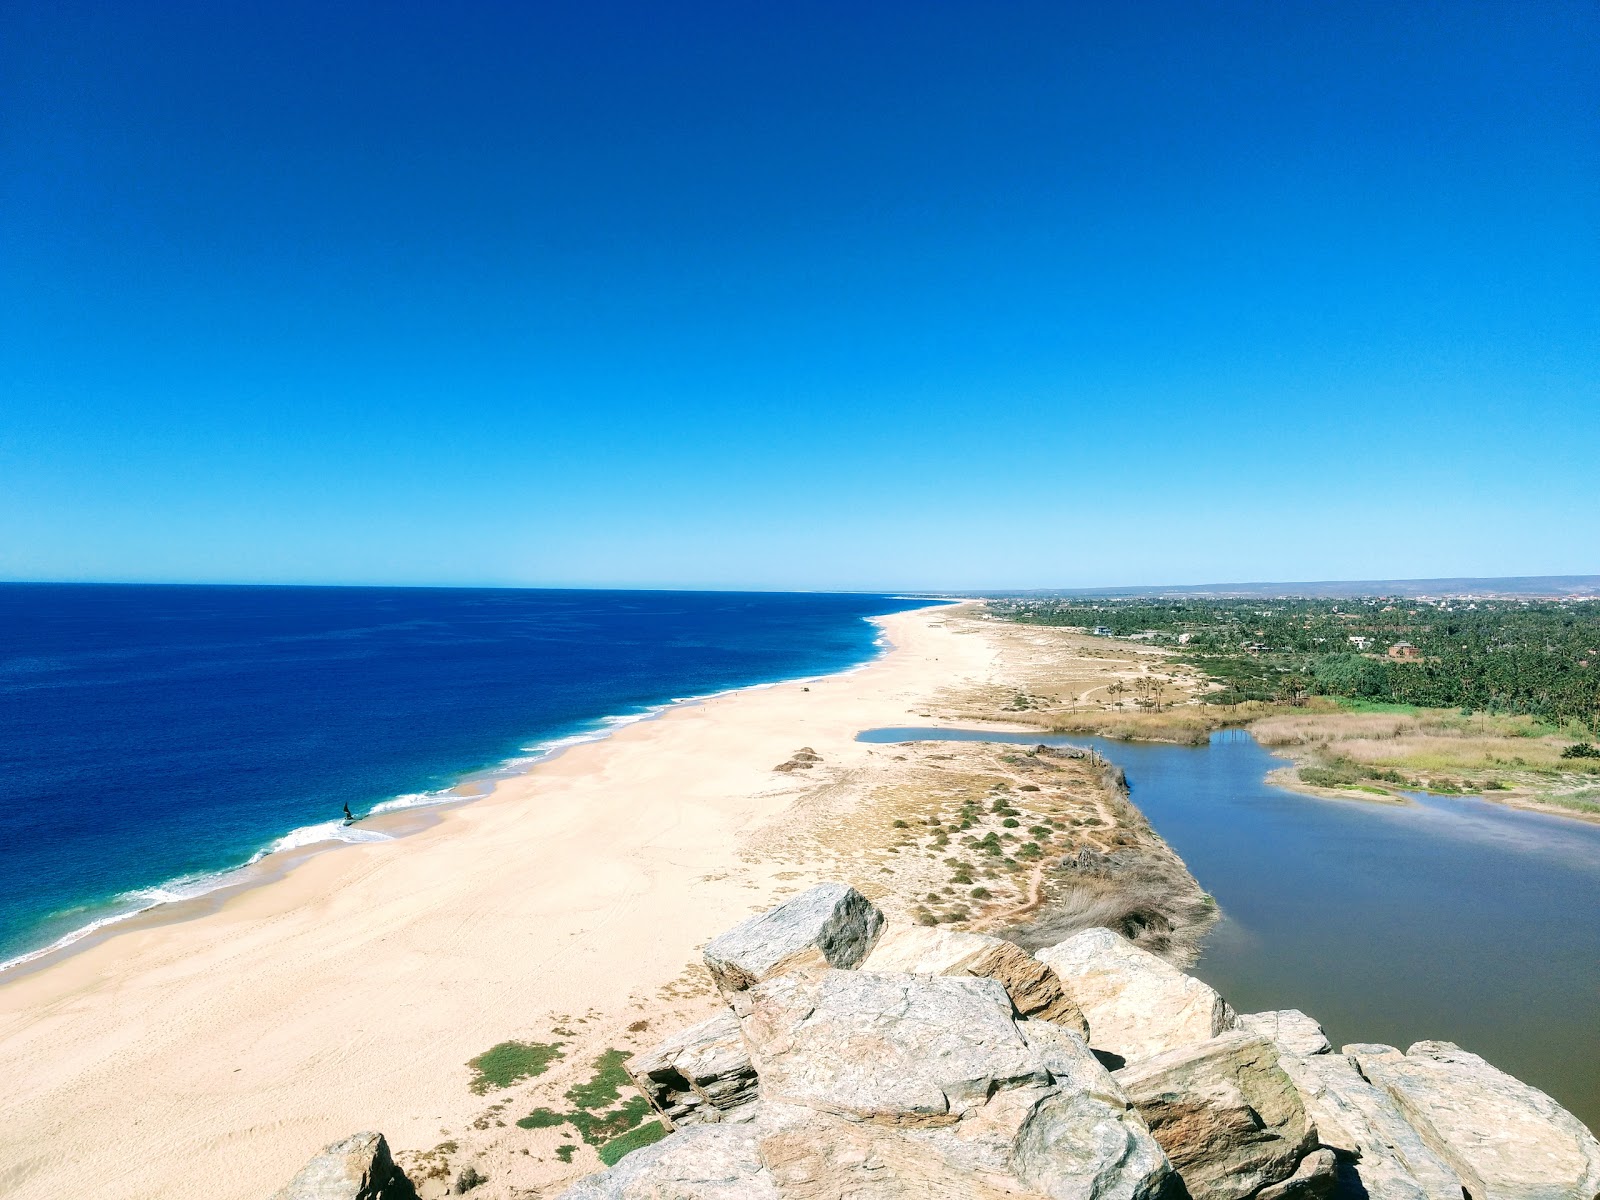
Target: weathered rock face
(1225, 1112)
(1362, 1125)
(708, 1162)
(1291, 1030)
(917, 1076)
(1027, 1142)
(1506, 1140)
(1137, 1005)
(1317, 1177)
(700, 1075)
(357, 1168)
(902, 1087)
(830, 925)
(1034, 989)
(890, 1049)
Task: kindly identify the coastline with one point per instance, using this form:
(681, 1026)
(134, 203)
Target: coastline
(185, 897)
(348, 990)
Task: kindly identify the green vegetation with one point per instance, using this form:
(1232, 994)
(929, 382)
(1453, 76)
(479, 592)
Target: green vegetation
(613, 1150)
(543, 1118)
(565, 1152)
(1516, 657)
(501, 1066)
(605, 1087)
(599, 1114)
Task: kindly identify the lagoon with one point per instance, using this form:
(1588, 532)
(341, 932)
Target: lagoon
(1443, 917)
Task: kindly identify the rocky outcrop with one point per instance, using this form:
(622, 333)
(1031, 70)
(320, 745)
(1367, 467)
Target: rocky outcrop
(1316, 1177)
(830, 925)
(1506, 1140)
(357, 1168)
(1290, 1029)
(914, 1069)
(701, 1075)
(1360, 1124)
(1137, 1005)
(887, 1049)
(1228, 1116)
(1034, 988)
(708, 1162)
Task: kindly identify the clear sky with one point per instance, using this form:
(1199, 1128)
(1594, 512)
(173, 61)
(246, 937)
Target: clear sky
(858, 295)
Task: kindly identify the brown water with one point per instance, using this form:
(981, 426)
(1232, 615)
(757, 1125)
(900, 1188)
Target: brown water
(1447, 917)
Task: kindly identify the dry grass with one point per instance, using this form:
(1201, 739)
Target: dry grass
(1426, 741)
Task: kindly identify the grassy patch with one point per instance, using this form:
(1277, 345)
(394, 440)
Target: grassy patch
(501, 1066)
(605, 1086)
(1373, 706)
(566, 1151)
(1585, 802)
(596, 1113)
(543, 1118)
(613, 1150)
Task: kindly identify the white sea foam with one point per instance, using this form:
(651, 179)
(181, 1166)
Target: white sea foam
(131, 904)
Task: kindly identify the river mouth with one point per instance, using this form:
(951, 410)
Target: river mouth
(1445, 917)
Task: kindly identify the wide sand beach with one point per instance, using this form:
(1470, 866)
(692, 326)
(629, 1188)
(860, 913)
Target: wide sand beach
(209, 1056)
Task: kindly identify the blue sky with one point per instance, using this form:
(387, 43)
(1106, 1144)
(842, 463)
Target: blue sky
(816, 296)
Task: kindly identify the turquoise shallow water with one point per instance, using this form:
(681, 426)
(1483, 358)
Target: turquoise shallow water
(1448, 917)
(153, 738)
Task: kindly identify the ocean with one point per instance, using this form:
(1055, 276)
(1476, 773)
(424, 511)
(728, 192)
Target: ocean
(154, 739)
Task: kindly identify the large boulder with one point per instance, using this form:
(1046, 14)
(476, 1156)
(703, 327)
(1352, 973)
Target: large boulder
(1290, 1029)
(1363, 1127)
(707, 1162)
(702, 1074)
(904, 1087)
(830, 925)
(1316, 1178)
(357, 1168)
(1027, 1143)
(1225, 1112)
(1034, 989)
(1137, 1005)
(1506, 1140)
(893, 1049)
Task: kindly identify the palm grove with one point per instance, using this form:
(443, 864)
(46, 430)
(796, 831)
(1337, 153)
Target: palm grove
(1540, 658)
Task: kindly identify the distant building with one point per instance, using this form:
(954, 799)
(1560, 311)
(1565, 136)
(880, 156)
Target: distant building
(1360, 643)
(1102, 631)
(1404, 650)
(1183, 638)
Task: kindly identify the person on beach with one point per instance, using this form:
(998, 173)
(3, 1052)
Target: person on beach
(349, 818)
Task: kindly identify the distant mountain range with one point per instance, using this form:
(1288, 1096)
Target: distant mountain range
(1510, 587)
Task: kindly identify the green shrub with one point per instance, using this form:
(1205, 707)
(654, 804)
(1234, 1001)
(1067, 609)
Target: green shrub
(543, 1118)
(614, 1150)
(501, 1066)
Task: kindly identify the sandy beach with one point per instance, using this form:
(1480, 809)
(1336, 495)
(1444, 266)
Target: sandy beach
(211, 1056)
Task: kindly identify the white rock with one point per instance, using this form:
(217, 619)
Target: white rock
(706, 1162)
(1034, 989)
(701, 1074)
(895, 1049)
(830, 925)
(1316, 1177)
(357, 1168)
(1137, 1005)
(1362, 1124)
(1506, 1140)
(1291, 1029)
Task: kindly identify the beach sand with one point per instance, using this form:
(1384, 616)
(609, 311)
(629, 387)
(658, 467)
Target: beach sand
(211, 1056)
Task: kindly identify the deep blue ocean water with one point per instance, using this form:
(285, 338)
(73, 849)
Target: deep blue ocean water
(152, 736)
